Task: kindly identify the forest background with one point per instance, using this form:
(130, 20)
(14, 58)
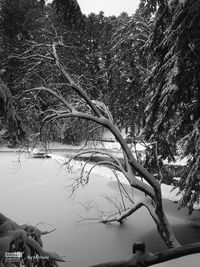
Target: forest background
(144, 67)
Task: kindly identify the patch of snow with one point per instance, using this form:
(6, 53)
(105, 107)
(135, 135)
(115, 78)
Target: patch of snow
(178, 162)
(115, 146)
(168, 192)
(139, 147)
(177, 179)
(58, 158)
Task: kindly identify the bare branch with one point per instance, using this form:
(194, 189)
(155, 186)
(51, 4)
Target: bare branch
(144, 202)
(122, 186)
(76, 87)
(67, 105)
(105, 153)
(103, 162)
(87, 139)
(36, 55)
(48, 232)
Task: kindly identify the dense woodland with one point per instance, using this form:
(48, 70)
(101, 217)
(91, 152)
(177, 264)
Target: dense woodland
(144, 68)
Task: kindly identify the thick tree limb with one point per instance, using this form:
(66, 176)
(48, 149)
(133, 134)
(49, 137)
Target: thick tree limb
(146, 202)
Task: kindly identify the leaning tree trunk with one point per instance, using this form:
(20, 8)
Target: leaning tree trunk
(100, 114)
(152, 189)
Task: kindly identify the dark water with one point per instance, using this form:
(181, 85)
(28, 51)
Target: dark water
(35, 190)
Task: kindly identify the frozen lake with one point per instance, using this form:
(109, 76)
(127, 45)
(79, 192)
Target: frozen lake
(35, 190)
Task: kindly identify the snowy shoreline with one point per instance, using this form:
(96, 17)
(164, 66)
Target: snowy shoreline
(167, 190)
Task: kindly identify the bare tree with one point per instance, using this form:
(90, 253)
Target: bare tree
(99, 114)
(95, 111)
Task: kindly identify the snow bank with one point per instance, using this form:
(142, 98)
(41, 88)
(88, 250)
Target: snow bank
(167, 190)
(178, 162)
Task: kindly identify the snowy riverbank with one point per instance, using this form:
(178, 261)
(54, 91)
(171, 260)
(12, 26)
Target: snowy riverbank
(55, 149)
(167, 190)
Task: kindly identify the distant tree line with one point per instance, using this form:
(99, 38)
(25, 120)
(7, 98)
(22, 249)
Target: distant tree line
(144, 67)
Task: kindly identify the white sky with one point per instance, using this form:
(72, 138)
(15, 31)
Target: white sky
(110, 7)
